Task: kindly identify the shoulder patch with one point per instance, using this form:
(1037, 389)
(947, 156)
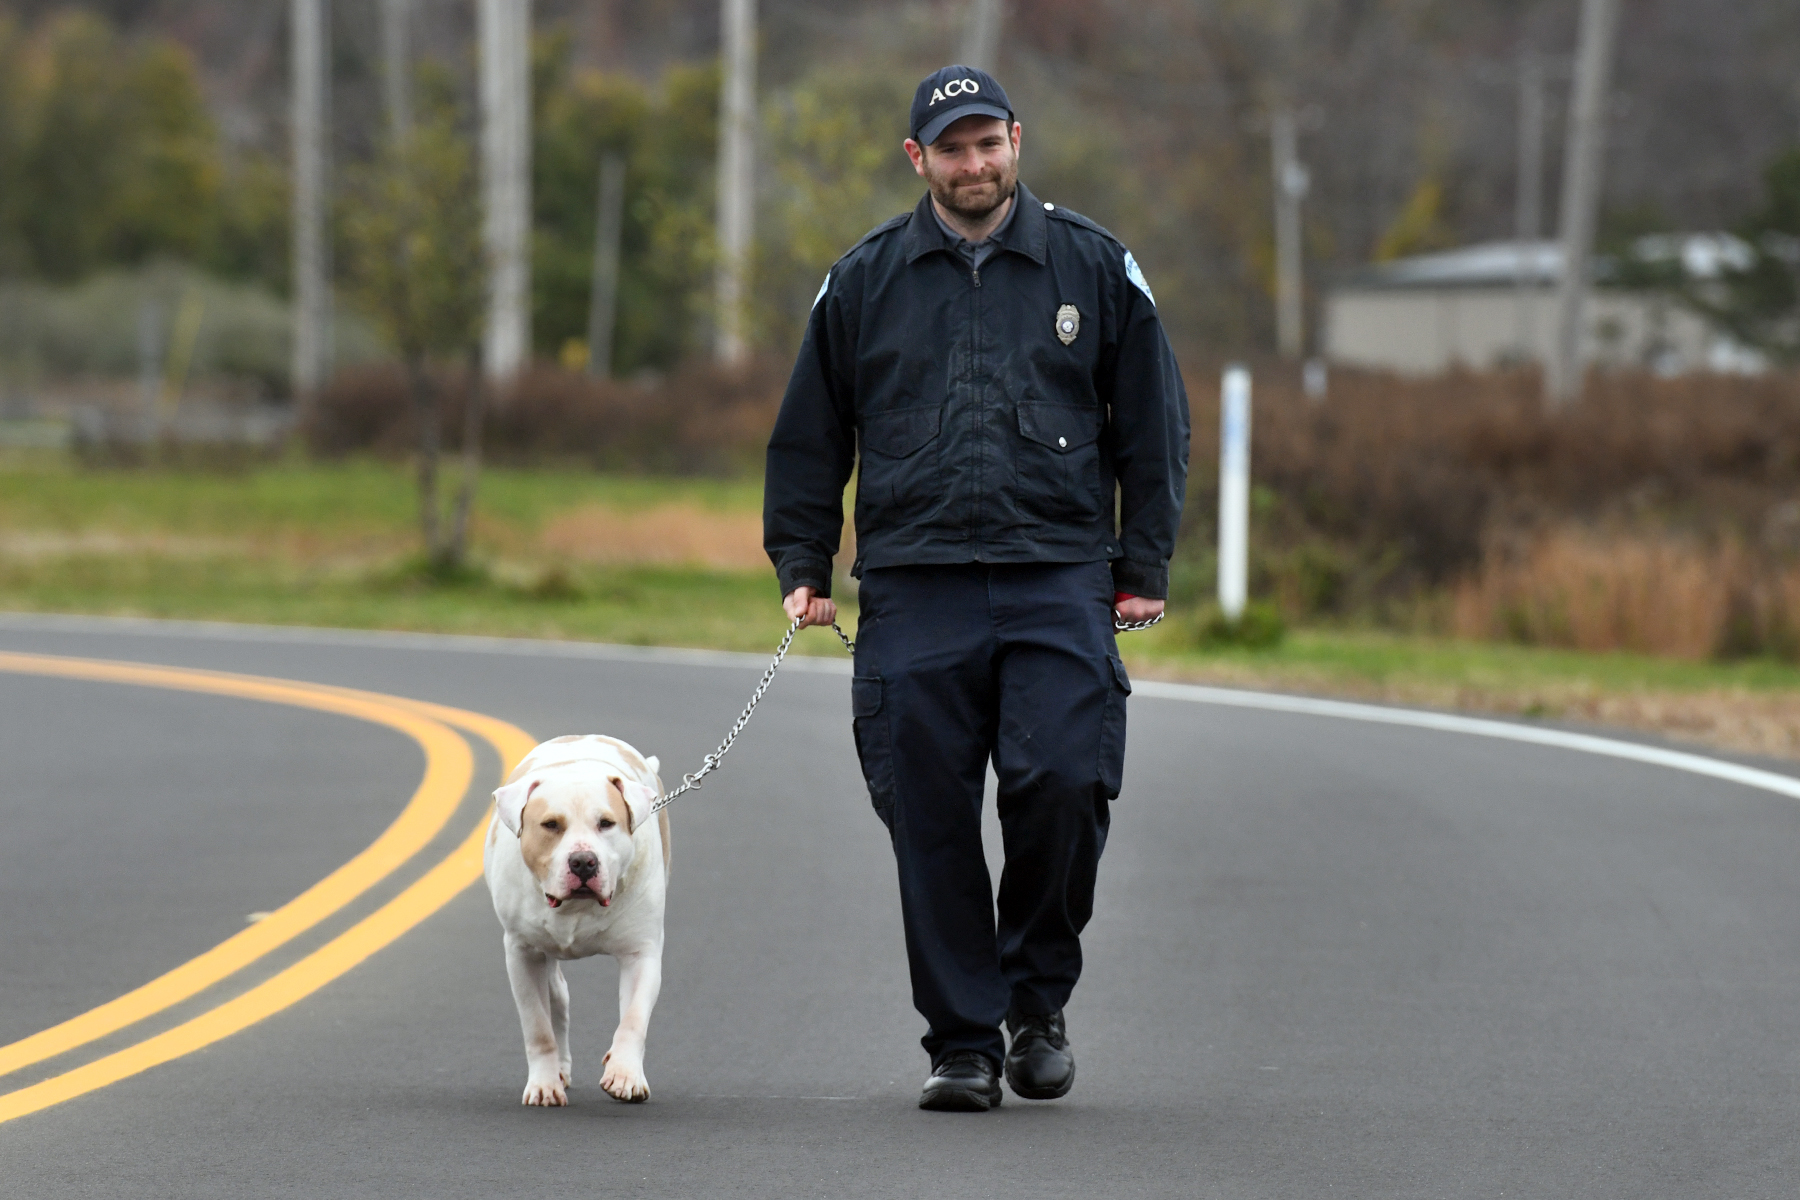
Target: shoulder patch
(1134, 273)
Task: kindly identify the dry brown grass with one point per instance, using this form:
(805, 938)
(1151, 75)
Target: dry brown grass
(1429, 469)
(1658, 515)
(1589, 592)
(675, 534)
(1651, 594)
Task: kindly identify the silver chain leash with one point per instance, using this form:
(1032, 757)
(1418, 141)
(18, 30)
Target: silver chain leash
(710, 763)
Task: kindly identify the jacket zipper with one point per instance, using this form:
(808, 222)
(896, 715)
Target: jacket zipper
(980, 409)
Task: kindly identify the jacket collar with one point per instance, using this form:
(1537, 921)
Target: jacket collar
(1027, 234)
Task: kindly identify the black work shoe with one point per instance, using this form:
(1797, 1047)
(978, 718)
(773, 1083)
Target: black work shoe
(1039, 1064)
(965, 1081)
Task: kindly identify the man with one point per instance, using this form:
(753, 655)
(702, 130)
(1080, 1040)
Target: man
(994, 366)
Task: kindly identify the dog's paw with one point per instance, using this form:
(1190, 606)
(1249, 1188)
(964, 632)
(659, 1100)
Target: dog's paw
(539, 1093)
(624, 1080)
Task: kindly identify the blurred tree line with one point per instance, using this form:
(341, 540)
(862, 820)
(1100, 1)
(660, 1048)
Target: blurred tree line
(109, 156)
(118, 145)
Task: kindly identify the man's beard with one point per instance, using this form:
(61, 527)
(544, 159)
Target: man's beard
(969, 198)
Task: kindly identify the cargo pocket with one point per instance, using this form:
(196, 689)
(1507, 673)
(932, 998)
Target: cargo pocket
(1112, 731)
(874, 747)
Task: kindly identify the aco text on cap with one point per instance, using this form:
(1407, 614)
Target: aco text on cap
(951, 93)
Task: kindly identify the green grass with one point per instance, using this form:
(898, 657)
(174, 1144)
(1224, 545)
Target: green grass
(634, 606)
(41, 492)
(1329, 659)
(330, 545)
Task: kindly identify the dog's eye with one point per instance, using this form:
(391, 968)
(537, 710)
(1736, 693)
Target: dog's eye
(607, 822)
(552, 825)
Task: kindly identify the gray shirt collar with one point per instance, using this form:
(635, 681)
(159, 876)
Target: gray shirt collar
(979, 252)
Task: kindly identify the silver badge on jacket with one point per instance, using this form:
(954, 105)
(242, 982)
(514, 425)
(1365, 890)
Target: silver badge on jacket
(1068, 323)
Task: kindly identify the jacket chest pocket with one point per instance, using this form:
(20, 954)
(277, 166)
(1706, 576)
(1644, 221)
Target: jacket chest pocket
(899, 471)
(1059, 461)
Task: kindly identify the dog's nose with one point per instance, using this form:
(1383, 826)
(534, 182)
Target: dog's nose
(584, 864)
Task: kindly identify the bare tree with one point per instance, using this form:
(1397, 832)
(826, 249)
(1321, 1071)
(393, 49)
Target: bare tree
(417, 265)
(1291, 182)
(396, 65)
(981, 43)
(603, 301)
(311, 91)
(506, 183)
(737, 175)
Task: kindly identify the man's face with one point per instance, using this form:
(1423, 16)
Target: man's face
(973, 166)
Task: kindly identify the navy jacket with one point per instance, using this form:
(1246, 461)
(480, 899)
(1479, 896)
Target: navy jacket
(982, 435)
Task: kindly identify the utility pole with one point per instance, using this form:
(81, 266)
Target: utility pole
(1528, 218)
(311, 85)
(396, 67)
(1291, 184)
(981, 42)
(1581, 196)
(602, 306)
(737, 176)
(506, 184)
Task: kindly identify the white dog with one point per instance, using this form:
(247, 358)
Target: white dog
(576, 868)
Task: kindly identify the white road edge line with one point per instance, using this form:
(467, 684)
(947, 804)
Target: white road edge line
(1585, 743)
(1344, 710)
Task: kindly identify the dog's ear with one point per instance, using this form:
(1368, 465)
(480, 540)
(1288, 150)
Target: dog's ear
(638, 799)
(510, 799)
(655, 764)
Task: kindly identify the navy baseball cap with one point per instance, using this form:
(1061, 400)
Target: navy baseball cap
(954, 92)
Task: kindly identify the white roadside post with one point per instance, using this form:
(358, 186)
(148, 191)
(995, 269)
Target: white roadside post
(1234, 491)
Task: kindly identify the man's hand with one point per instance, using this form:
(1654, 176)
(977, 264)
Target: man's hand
(1133, 609)
(818, 610)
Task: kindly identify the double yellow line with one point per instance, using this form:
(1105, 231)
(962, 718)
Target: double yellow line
(449, 770)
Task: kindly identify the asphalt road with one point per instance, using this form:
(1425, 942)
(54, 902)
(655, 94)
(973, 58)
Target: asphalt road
(1330, 958)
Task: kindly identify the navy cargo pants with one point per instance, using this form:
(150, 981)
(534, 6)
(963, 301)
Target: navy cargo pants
(957, 665)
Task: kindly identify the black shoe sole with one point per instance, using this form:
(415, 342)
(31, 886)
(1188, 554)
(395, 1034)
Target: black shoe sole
(1056, 1092)
(959, 1099)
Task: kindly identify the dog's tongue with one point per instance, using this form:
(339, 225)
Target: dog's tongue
(552, 901)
